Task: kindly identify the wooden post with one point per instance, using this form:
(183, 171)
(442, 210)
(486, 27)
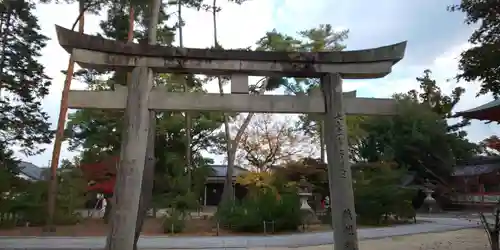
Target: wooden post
(339, 171)
(321, 124)
(189, 124)
(205, 195)
(132, 161)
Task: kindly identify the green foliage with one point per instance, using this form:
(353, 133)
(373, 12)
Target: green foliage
(24, 201)
(29, 203)
(177, 198)
(430, 94)
(23, 80)
(378, 194)
(322, 38)
(23, 123)
(71, 193)
(480, 62)
(172, 188)
(419, 137)
(279, 210)
(314, 171)
(174, 222)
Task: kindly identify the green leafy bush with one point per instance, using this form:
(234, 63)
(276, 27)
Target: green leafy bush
(280, 212)
(380, 196)
(174, 222)
(28, 205)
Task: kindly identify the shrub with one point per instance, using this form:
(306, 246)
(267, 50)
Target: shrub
(67, 218)
(379, 195)
(174, 222)
(30, 206)
(267, 206)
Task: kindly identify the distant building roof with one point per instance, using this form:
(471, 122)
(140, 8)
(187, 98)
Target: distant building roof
(221, 170)
(475, 169)
(477, 166)
(489, 111)
(31, 171)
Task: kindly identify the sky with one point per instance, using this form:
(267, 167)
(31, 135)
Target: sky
(435, 39)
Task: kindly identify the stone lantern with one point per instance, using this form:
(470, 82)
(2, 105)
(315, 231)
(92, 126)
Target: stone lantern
(304, 192)
(429, 201)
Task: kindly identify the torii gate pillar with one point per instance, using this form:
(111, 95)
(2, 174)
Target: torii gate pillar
(339, 171)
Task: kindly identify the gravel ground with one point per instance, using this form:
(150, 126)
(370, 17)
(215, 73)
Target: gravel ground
(467, 239)
(464, 239)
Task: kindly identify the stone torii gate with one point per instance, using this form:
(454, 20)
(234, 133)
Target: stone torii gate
(140, 97)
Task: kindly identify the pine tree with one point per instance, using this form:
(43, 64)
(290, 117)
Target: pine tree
(23, 83)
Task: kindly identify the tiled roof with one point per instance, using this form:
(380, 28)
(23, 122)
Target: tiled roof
(472, 170)
(477, 165)
(31, 170)
(489, 111)
(221, 170)
(36, 173)
(487, 106)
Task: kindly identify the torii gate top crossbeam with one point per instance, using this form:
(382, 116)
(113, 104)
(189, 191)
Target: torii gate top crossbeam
(97, 52)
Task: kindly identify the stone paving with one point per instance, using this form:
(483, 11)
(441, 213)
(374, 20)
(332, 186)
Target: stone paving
(427, 225)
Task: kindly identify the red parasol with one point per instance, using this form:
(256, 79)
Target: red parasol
(105, 186)
(99, 170)
(103, 174)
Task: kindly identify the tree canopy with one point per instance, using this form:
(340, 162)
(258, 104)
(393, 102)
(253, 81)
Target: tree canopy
(23, 83)
(419, 137)
(480, 62)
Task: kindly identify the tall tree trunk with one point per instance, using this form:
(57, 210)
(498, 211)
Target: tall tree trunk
(246, 122)
(227, 193)
(232, 145)
(494, 238)
(54, 163)
(187, 114)
(493, 233)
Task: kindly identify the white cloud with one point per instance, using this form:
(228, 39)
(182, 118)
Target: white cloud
(297, 15)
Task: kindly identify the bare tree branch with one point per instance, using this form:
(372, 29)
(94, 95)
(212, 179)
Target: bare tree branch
(271, 140)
